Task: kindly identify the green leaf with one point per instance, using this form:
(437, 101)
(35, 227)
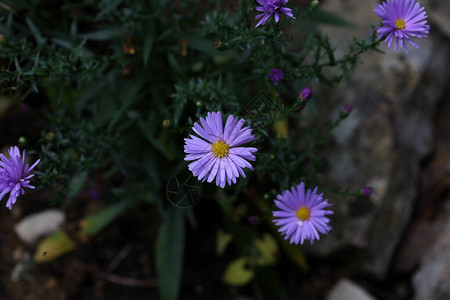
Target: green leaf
(236, 274)
(148, 42)
(76, 184)
(103, 35)
(169, 254)
(97, 221)
(37, 35)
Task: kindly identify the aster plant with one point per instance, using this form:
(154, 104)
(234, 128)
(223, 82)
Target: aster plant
(302, 215)
(272, 7)
(217, 154)
(402, 19)
(14, 175)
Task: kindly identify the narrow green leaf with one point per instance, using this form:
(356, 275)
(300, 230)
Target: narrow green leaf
(37, 35)
(76, 184)
(103, 35)
(148, 43)
(169, 254)
(97, 221)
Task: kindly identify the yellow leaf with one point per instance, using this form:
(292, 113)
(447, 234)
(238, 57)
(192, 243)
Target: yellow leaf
(223, 239)
(53, 246)
(267, 250)
(281, 129)
(237, 274)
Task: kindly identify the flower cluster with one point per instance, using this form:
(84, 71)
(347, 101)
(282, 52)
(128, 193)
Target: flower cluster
(217, 154)
(402, 19)
(14, 175)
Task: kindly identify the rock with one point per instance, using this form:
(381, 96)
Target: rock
(34, 226)
(439, 10)
(432, 279)
(347, 290)
(389, 133)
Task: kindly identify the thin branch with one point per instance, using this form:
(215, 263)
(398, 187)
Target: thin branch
(10, 9)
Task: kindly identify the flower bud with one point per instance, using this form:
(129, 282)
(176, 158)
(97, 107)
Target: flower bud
(276, 75)
(253, 220)
(218, 45)
(348, 108)
(306, 94)
(366, 191)
(49, 136)
(166, 123)
(22, 141)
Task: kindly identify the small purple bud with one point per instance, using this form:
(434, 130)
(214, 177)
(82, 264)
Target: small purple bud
(306, 94)
(253, 220)
(348, 108)
(276, 75)
(366, 191)
(23, 108)
(94, 194)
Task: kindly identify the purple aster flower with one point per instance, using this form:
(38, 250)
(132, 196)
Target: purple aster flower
(401, 19)
(301, 214)
(276, 75)
(14, 176)
(272, 7)
(218, 153)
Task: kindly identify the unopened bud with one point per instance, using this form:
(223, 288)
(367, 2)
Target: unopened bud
(166, 123)
(306, 94)
(366, 191)
(49, 136)
(22, 141)
(348, 108)
(218, 45)
(253, 220)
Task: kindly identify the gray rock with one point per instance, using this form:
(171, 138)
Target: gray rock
(348, 290)
(432, 279)
(439, 12)
(37, 225)
(394, 96)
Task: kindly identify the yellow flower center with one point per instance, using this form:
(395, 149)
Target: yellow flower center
(220, 149)
(303, 213)
(400, 24)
